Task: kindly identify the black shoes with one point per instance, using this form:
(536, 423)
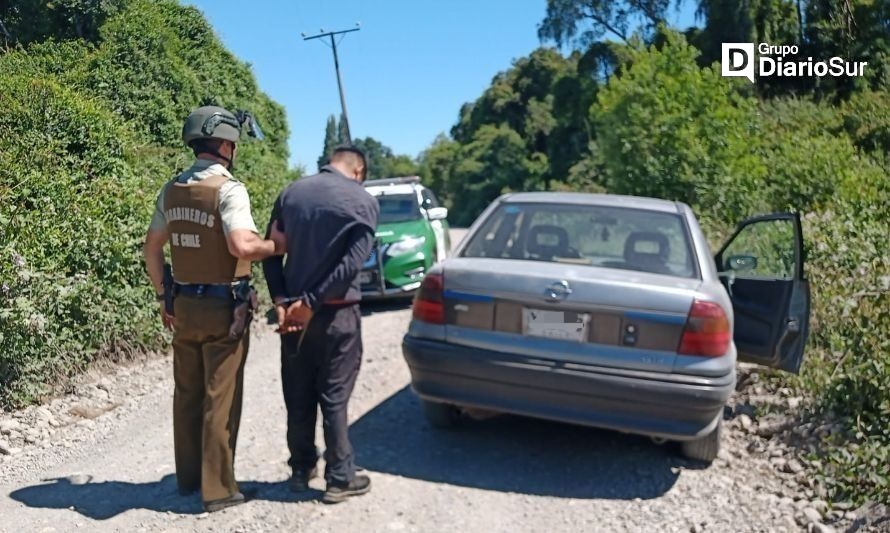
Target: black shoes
(233, 500)
(337, 493)
(299, 481)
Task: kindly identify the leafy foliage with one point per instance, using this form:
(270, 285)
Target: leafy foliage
(331, 140)
(672, 130)
(89, 133)
(855, 29)
(35, 20)
(382, 161)
(526, 132)
(847, 371)
(669, 129)
(587, 21)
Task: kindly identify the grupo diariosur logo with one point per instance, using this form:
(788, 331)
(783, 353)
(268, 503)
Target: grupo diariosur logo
(738, 61)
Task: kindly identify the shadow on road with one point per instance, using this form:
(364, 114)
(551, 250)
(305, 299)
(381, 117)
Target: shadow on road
(512, 454)
(107, 499)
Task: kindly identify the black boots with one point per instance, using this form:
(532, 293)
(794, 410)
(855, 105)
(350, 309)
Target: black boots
(234, 499)
(299, 480)
(337, 493)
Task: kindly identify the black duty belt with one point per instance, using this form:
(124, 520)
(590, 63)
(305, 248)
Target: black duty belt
(205, 291)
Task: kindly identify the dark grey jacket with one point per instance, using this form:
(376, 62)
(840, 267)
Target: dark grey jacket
(330, 222)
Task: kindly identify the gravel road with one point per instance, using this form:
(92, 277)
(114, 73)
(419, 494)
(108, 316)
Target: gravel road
(102, 459)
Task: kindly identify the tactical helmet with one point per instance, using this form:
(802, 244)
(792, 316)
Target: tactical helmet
(211, 122)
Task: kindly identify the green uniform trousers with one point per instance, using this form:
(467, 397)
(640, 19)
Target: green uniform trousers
(208, 370)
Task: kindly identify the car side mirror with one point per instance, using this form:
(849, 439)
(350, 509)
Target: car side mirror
(741, 263)
(437, 213)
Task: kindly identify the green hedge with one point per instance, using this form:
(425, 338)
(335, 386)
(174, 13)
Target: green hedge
(71, 206)
(89, 133)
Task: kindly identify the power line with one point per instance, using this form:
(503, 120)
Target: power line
(333, 45)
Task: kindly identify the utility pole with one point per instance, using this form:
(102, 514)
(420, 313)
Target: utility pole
(332, 35)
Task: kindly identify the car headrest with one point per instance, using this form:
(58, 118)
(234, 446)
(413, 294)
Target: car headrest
(548, 248)
(646, 246)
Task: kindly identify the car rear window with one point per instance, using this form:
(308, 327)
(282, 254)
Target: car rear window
(398, 208)
(610, 237)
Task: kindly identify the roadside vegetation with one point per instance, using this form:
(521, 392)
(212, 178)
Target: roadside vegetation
(93, 94)
(639, 108)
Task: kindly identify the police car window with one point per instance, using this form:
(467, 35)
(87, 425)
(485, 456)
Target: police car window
(398, 208)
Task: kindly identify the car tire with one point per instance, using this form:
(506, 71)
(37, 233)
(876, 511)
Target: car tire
(704, 448)
(440, 415)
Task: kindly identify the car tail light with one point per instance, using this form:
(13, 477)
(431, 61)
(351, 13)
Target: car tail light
(707, 330)
(429, 304)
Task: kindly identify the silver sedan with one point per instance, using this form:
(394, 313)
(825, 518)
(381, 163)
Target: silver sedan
(609, 311)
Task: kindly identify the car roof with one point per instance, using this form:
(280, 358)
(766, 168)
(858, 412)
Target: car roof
(401, 188)
(607, 200)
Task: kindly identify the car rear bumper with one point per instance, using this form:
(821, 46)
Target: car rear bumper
(660, 405)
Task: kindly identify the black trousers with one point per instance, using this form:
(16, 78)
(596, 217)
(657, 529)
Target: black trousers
(320, 371)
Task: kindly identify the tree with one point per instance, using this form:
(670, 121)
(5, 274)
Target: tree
(754, 21)
(331, 140)
(343, 136)
(493, 163)
(669, 129)
(855, 29)
(585, 22)
(436, 167)
(539, 105)
(382, 162)
(35, 20)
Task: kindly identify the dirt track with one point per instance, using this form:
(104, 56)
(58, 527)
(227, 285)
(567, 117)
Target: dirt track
(98, 470)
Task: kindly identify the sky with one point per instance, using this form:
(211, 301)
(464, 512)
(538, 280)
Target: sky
(406, 73)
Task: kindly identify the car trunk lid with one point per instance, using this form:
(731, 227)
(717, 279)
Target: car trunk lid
(567, 313)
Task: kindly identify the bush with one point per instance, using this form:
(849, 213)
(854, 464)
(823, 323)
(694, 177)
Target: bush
(847, 369)
(88, 135)
(669, 129)
(73, 213)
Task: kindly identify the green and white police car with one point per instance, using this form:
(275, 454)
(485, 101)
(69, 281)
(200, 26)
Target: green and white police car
(412, 236)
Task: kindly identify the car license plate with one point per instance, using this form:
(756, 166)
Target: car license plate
(365, 277)
(564, 325)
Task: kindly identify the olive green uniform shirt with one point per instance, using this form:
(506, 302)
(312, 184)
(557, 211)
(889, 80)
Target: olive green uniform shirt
(234, 203)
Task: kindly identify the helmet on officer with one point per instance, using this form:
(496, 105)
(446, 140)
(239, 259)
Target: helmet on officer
(206, 126)
(211, 122)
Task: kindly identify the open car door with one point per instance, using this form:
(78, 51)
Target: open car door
(761, 266)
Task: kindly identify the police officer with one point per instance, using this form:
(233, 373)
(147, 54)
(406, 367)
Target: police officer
(204, 214)
(330, 221)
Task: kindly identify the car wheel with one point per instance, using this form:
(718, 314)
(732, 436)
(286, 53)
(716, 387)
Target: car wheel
(440, 415)
(705, 448)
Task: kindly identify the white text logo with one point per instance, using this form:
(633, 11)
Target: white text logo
(737, 60)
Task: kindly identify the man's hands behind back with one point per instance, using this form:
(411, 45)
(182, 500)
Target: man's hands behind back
(292, 317)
